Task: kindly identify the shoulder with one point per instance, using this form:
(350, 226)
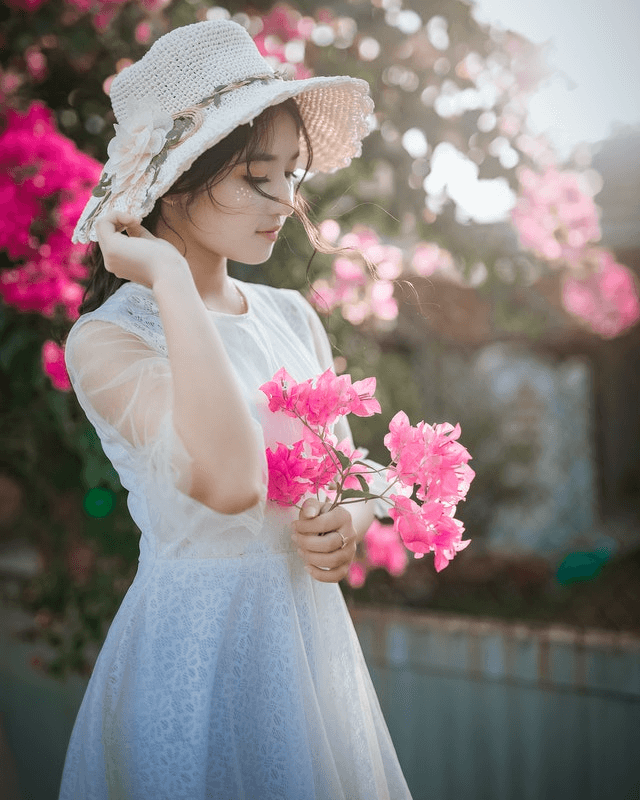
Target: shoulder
(288, 301)
(133, 308)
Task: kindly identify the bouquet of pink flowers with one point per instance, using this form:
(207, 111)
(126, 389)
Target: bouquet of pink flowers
(426, 479)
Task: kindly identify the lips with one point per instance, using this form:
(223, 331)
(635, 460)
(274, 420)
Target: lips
(271, 234)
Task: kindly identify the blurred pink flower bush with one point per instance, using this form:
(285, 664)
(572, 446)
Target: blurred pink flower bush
(554, 217)
(362, 295)
(46, 181)
(607, 298)
(283, 36)
(352, 287)
(558, 221)
(54, 366)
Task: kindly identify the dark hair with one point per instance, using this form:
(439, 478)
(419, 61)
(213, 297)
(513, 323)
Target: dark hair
(207, 171)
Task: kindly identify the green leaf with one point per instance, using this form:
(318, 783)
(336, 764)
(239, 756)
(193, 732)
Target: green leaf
(348, 494)
(345, 461)
(362, 482)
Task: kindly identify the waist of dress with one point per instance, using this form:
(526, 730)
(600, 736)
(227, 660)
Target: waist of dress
(203, 550)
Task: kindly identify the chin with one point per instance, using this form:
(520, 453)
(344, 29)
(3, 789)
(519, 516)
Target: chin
(254, 260)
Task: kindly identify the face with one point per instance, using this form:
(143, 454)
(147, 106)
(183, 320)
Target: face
(242, 225)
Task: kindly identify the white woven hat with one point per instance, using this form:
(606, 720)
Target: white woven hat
(193, 87)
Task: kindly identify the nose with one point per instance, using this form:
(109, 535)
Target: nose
(284, 194)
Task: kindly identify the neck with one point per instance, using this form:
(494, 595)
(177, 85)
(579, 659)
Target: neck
(209, 271)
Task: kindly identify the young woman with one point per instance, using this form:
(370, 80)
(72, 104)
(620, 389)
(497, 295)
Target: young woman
(232, 670)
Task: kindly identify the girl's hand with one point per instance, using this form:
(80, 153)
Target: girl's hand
(140, 256)
(319, 535)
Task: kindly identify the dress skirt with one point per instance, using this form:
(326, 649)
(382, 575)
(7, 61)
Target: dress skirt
(237, 678)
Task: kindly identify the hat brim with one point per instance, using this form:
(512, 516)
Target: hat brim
(335, 111)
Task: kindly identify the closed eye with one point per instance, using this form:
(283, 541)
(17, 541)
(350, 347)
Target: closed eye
(290, 175)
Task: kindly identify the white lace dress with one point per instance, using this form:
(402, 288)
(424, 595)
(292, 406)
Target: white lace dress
(228, 672)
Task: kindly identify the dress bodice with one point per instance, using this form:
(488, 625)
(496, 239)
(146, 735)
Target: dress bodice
(274, 332)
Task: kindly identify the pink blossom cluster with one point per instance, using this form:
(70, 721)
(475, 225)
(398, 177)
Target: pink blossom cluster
(557, 221)
(352, 288)
(554, 217)
(283, 36)
(45, 181)
(429, 258)
(607, 298)
(428, 463)
(318, 459)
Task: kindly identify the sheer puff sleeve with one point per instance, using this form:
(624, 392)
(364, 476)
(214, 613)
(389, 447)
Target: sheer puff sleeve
(124, 387)
(117, 363)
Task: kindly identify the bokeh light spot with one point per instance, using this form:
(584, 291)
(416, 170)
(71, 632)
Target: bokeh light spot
(415, 143)
(98, 502)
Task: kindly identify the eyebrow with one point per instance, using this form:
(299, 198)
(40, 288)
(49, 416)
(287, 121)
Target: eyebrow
(268, 157)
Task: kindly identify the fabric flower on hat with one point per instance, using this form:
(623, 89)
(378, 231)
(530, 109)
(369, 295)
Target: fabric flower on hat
(138, 139)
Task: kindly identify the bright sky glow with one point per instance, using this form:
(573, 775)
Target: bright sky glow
(594, 46)
(455, 176)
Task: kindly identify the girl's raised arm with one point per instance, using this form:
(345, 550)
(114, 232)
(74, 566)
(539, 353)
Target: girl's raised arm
(210, 415)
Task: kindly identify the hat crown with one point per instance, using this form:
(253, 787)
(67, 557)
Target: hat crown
(186, 65)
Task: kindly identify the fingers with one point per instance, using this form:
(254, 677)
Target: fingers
(311, 508)
(328, 576)
(115, 222)
(332, 560)
(323, 543)
(326, 542)
(324, 522)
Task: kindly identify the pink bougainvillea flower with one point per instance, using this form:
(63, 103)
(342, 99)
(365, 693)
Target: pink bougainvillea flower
(289, 474)
(323, 296)
(405, 445)
(329, 230)
(384, 548)
(409, 522)
(279, 392)
(429, 258)
(431, 457)
(54, 366)
(428, 528)
(323, 462)
(443, 473)
(327, 400)
(353, 288)
(348, 272)
(363, 403)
